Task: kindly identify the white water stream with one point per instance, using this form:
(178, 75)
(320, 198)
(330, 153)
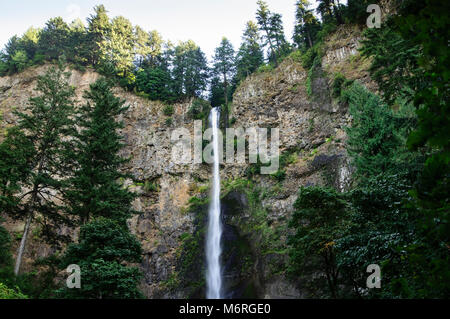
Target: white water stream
(213, 249)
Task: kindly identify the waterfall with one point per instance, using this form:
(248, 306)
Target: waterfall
(213, 249)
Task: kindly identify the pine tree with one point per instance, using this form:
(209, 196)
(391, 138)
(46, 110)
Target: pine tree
(118, 49)
(141, 45)
(318, 220)
(16, 154)
(41, 133)
(98, 27)
(272, 27)
(101, 204)
(94, 189)
(224, 66)
(372, 143)
(190, 70)
(306, 26)
(54, 39)
(103, 248)
(250, 55)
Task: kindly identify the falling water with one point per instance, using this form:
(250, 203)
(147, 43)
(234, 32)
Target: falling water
(213, 249)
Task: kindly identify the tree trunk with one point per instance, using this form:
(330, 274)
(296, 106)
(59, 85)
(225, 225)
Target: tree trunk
(270, 44)
(309, 38)
(225, 89)
(22, 244)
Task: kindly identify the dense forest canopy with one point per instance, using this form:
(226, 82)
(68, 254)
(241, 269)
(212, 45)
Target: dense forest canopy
(395, 212)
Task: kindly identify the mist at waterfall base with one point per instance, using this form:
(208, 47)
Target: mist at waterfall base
(214, 233)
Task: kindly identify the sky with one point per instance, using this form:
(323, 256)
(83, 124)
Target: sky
(204, 21)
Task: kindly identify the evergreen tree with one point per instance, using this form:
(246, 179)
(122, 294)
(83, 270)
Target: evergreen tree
(250, 55)
(30, 40)
(272, 27)
(306, 26)
(224, 67)
(102, 250)
(325, 9)
(190, 70)
(118, 49)
(319, 219)
(54, 39)
(41, 133)
(142, 49)
(98, 27)
(78, 42)
(94, 189)
(263, 17)
(372, 143)
(216, 97)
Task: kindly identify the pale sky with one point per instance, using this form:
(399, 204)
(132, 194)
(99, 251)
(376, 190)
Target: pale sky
(204, 21)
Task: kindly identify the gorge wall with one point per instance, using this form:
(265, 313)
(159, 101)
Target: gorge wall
(173, 198)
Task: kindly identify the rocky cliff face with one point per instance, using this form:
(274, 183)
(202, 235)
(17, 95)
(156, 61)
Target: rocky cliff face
(173, 198)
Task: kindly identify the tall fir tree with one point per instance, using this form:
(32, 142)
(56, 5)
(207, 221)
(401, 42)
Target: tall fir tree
(224, 67)
(99, 27)
(100, 203)
(190, 70)
(306, 26)
(250, 55)
(272, 27)
(94, 189)
(42, 133)
(103, 248)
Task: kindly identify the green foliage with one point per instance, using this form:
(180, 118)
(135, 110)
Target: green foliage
(199, 110)
(355, 11)
(273, 33)
(373, 144)
(190, 70)
(94, 191)
(394, 66)
(20, 60)
(250, 55)
(168, 110)
(279, 175)
(6, 261)
(103, 248)
(312, 73)
(8, 293)
(336, 86)
(319, 220)
(307, 25)
(154, 81)
(265, 68)
(33, 161)
(224, 66)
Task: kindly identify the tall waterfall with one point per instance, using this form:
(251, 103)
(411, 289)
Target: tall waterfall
(213, 249)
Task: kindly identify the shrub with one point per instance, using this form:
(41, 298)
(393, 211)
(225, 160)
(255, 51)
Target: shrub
(296, 56)
(168, 110)
(199, 109)
(265, 68)
(8, 293)
(338, 80)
